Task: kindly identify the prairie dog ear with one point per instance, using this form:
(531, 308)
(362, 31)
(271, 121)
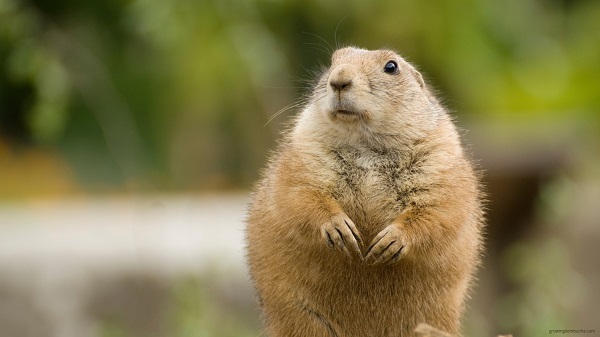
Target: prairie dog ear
(418, 77)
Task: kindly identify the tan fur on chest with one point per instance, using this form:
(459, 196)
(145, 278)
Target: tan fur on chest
(371, 186)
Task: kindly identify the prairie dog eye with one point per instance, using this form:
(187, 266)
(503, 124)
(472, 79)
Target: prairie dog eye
(391, 67)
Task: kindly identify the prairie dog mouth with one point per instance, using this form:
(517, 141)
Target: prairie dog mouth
(344, 108)
(345, 112)
(345, 115)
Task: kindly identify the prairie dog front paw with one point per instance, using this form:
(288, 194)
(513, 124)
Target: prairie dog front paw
(340, 233)
(388, 246)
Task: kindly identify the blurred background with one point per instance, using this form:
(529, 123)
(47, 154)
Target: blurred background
(132, 131)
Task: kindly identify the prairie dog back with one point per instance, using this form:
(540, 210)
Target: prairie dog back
(368, 218)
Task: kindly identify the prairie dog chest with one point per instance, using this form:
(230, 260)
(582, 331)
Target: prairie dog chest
(374, 184)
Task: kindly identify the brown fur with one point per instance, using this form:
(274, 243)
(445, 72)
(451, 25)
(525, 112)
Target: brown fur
(369, 222)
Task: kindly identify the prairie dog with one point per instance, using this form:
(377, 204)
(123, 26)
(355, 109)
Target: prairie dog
(368, 218)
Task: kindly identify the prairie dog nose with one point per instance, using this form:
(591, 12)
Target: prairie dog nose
(341, 77)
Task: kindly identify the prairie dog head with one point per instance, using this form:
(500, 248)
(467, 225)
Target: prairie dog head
(370, 95)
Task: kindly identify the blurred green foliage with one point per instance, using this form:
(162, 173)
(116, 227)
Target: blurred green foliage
(194, 306)
(545, 287)
(200, 312)
(174, 95)
(151, 94)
